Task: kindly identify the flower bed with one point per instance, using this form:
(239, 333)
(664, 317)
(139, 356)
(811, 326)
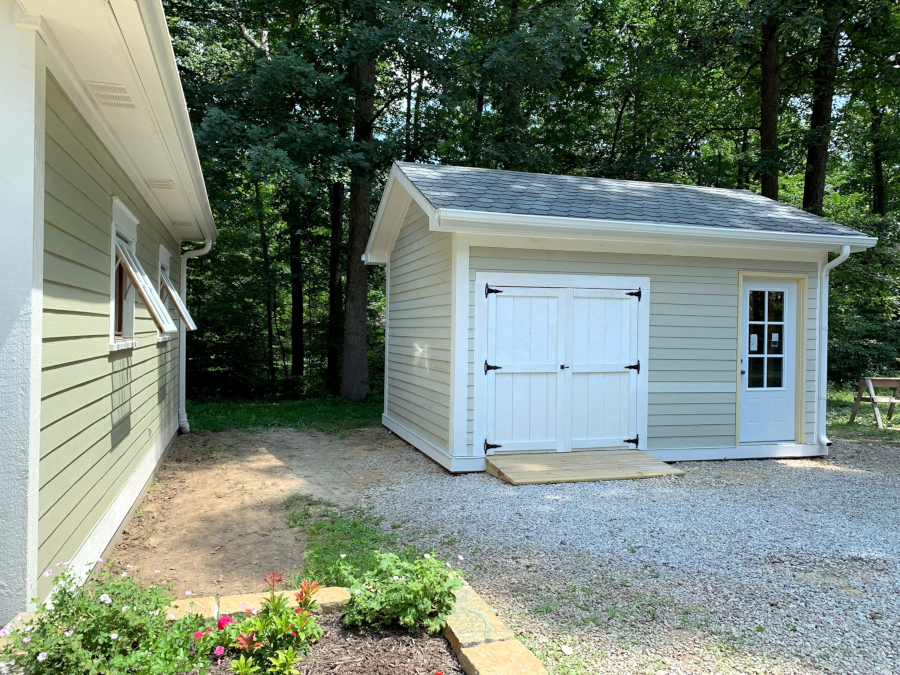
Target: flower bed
(111, 625)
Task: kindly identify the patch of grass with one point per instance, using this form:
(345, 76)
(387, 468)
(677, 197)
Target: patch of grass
(840, 405)
(330, 415)
(332, 532)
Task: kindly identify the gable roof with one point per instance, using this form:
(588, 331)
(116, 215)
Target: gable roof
(510, 202)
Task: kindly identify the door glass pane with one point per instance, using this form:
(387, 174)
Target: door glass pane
(776, 306)
(755, 345)
(775, 343)
(757, 305)
(755, 372)
(774, 374)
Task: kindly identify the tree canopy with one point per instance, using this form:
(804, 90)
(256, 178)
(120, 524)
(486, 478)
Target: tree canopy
(300, 106)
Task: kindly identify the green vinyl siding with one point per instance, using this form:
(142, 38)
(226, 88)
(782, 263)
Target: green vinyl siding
(96, 405)
(693, 334)
(418, 340)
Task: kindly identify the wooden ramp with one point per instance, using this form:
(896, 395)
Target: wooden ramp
(575, 467)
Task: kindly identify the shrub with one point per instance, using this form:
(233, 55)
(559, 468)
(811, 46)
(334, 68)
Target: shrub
(408, 593)
(90, 626)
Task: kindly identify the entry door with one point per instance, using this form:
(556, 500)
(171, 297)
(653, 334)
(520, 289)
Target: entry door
(768, 365)
(526, 349)
(561, 369)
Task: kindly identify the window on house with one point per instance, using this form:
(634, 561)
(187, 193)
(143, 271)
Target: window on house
(166, 287)
(131, 267)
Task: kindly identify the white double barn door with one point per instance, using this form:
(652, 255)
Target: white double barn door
(561, 370)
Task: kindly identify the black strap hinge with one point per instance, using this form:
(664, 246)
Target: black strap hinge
(635, 294)
(636, 366)
(636, 440)
(488, 367)
(488, 290)
(490, 446)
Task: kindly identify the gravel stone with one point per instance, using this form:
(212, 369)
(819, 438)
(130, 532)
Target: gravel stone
(758, 566)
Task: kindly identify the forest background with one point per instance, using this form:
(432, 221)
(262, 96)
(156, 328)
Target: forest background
(299, 108)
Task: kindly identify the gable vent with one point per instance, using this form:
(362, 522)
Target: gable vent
(161, 183)
(113, 95)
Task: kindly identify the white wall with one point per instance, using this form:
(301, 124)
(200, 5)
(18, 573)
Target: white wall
(21, 272)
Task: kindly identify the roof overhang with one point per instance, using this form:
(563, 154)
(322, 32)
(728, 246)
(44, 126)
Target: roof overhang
(400, 191)
(122, 48)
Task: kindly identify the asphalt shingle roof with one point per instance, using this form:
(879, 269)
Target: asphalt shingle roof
(513, 192)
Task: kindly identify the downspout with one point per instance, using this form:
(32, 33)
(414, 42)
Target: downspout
(183, 426)
(823, 340)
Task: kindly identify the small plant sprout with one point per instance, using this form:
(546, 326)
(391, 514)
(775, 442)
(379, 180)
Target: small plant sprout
(304, 596)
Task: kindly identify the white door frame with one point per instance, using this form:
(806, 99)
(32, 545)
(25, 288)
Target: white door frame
(541, 280)
(801, 331)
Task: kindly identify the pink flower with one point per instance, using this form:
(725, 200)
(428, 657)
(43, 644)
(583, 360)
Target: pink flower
(198, 635)
(208, 630)
(42, 656)
(224, 621)
(219, 650)
(187, 592)
(26, 640)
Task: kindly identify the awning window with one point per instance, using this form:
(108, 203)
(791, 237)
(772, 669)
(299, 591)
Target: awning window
(145, 289)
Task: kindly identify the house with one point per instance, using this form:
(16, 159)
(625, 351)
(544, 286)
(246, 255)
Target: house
(99, 184)
(537, 313)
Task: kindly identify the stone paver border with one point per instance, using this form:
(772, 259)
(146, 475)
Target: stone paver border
(483, 643)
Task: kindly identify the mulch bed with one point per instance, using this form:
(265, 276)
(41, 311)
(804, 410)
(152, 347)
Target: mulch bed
(371, 651)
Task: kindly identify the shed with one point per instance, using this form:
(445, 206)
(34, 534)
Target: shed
(532, 313)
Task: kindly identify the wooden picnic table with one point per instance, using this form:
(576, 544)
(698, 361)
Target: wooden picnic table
(867, 385)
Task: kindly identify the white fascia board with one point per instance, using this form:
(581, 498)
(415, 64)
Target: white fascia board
(397, 195)
(157, 33)
(587, 228)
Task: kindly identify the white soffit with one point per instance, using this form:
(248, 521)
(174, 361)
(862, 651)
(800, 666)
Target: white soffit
(122, 60)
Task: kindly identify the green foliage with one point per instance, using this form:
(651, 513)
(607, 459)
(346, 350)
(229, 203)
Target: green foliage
(330, 415)
(96, 627)
(863, 429)
(397, 592)
(244, 665)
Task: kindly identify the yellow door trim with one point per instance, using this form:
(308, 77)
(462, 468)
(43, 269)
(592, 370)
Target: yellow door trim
(801, 331)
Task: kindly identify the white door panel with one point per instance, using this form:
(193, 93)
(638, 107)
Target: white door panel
(526, 340)
(768, 361)
(604, 390)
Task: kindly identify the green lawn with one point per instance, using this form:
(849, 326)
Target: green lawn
(337, 416)
(331, 415)
(840, 404)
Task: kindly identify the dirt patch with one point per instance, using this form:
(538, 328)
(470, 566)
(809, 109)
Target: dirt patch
(369, 651)
(213, 522)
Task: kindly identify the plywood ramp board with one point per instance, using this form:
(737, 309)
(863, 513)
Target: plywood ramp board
(576, 467)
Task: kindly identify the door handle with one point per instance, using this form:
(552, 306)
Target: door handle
(563, 367)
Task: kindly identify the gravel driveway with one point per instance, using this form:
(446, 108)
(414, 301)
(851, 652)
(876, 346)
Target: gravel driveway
(771, 566)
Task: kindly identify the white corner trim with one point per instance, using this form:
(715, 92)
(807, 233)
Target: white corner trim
(489, 222)
(743, 451)
(105, 530)
(122, 345)
(459, 343)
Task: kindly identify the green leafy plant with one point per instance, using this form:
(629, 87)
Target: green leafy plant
(92, 627)
(284, 662)
(276, 629)
(409, 593)
(243, 665)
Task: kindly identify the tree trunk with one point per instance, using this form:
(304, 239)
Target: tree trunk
(879, 190)
(268, 286)
(770, 94)
(819, 134)
(510, 112)
(295, 245)
(742, 168)
(335, 291)
(355, 380)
